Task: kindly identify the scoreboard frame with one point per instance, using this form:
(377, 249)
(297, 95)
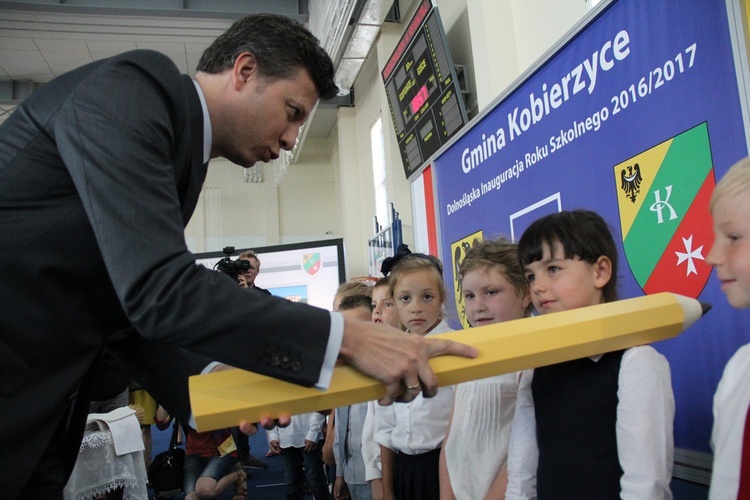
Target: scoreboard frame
(424, 98)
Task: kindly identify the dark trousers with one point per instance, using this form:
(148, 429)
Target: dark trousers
(242, 443)
(49, 478)
(331, 475)
(298, 465)
(56, 463)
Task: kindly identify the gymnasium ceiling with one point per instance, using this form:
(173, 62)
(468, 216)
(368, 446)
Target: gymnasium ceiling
(41, 39)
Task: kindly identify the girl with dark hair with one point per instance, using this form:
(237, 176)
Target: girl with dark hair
(597, 427)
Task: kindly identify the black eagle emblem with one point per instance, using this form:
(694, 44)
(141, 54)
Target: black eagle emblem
(630, 181)
(458, 256)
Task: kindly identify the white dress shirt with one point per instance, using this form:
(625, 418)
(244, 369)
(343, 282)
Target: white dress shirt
(645, 441)
(419, 426)
(370, 449)
(730, 411)
(304, 426)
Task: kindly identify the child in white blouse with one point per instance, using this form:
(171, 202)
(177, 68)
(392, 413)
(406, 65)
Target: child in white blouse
(730, 255)
(473, 459)
(383, 311)
(411, 434)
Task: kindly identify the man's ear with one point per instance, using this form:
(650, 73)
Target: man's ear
(603, 271)
(245, 67)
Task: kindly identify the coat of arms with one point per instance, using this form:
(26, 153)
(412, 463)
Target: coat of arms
(458, 252)
(663, 195)
(312, 264)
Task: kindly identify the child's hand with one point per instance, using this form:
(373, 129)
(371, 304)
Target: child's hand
(328, 458)
(340, 489)
(274, 446)
(140, 413)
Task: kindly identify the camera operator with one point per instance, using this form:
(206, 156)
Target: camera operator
(247, 276)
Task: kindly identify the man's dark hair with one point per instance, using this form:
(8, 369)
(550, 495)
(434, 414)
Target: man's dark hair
(280, 45)
(581, 233)
(355, 302)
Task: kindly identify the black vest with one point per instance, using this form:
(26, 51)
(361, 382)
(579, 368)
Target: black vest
(576, 411)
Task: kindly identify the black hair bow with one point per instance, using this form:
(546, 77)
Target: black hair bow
(388, 263)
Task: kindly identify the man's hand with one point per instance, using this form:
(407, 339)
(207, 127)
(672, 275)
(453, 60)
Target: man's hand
(310, 446)
(268, 423)
(399, 360)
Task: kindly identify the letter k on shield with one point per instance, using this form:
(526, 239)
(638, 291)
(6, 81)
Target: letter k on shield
(663, 195)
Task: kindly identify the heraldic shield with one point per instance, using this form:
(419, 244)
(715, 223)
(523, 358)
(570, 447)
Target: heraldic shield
(312, 264)
(458, 252)
(663, 195)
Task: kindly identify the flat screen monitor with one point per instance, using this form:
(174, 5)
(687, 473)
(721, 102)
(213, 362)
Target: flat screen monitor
(302, 272)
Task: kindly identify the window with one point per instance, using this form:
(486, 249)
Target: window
(378, 172)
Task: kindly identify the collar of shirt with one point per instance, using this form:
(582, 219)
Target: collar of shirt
(206, 124)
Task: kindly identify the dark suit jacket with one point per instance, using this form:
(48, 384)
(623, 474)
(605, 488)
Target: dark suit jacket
(99, 171)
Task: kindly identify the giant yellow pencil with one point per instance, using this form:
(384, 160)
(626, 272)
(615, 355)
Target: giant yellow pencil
(223, 399)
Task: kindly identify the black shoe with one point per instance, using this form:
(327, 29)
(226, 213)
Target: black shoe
(253, 463)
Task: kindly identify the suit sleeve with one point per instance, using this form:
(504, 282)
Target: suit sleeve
(119, 134)
(162, 369)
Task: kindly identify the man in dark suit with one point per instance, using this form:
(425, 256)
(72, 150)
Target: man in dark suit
(99, 171)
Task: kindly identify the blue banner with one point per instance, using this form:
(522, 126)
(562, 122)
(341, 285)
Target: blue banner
(635, 117)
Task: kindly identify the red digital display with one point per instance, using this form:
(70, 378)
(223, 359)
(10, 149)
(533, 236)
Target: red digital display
(419, 99)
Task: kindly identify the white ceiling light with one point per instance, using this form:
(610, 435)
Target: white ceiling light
(359, 39)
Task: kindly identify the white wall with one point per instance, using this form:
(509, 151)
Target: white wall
(307, 196)
(231, 211)
(301, 208)
(328, 193)
(508, 36)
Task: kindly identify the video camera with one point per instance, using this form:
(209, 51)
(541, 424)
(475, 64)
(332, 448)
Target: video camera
(231, 267)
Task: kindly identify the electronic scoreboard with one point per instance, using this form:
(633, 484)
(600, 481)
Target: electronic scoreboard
(424, 98)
